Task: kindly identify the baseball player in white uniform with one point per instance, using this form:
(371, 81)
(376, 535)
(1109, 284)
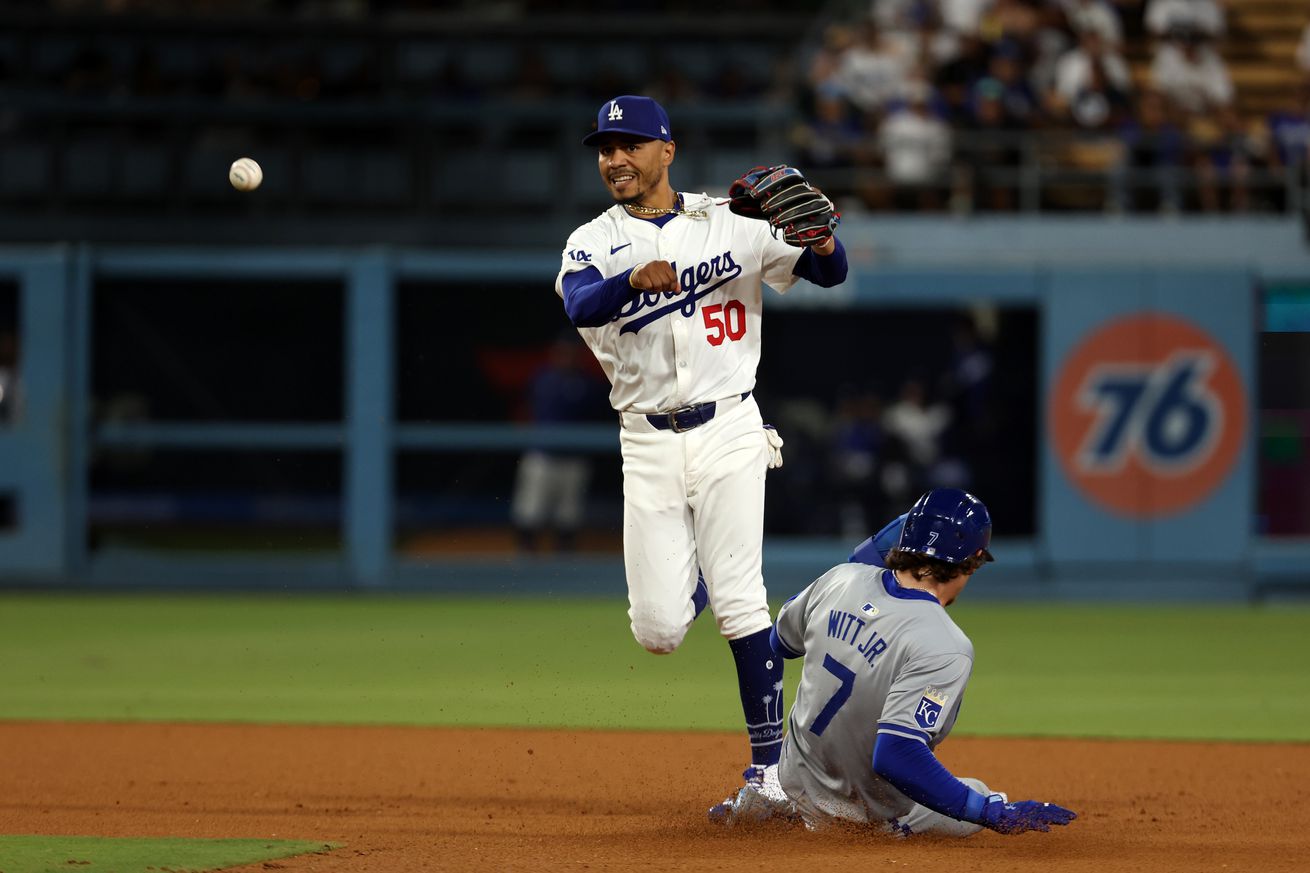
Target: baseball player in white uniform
(885, 671)
(666, 289)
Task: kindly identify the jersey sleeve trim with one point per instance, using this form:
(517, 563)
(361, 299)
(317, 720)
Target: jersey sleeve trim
(900, 730)
(779, 645)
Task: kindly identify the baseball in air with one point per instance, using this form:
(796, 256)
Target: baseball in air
(245, 174)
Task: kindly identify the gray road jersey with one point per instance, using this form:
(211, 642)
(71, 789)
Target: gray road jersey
(878, 658)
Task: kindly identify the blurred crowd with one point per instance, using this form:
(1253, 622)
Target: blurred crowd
(502, 9)
(876, 448)
(373, 66)
(936, 97)
(1121, 105)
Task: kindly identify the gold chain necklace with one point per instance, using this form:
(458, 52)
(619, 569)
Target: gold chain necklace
(659, 210)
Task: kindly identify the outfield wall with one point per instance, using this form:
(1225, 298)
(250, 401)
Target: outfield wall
(1147, 431)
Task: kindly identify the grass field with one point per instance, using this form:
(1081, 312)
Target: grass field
(1204, 672)
(39, 854)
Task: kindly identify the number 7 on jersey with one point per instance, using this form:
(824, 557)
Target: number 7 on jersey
(847, 677)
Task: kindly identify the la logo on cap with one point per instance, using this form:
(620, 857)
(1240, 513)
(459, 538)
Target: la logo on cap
(616, 114)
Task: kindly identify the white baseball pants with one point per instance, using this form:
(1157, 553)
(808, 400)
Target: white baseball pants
(694, 500)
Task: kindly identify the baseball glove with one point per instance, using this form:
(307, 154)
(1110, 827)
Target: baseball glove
(792, 207)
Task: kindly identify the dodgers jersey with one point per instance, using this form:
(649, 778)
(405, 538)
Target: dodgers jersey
(879, 658)
(665, 350)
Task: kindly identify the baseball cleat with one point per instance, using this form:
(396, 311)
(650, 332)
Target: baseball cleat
(761, 799)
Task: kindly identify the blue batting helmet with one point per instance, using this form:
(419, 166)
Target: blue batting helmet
(949, 525)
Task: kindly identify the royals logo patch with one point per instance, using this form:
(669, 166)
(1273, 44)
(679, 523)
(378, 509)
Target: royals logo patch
(930, 708)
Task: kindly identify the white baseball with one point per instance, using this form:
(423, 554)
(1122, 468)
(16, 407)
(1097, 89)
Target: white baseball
(245, 174)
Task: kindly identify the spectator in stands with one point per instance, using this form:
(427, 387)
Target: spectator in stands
(918, 426)
(968, 387)
(963, 16)
(857, 442)
(916, 148)
(1017, 20)
(1006, 69)
(825, 67)
(1205, 16)
(922, 42)
(1190, 73)
(1148, 173)
(970, 442)
(1097, 15)
(1225, 152)
(993, 149)
(1043, 58)
(832, 137)
(954, 80)
(1092, 84)
(551, 486)
(871, 73)
(1303, 52)
(893, 16)
(1288, 145)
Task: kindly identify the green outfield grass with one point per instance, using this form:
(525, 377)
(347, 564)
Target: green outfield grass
(54, 854)
(1202, 672)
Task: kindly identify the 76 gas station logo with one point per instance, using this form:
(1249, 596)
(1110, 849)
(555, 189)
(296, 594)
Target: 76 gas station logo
(1167, 415)
(1147, 415)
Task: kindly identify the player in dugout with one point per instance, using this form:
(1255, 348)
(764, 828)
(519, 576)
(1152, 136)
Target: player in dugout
(885, 670)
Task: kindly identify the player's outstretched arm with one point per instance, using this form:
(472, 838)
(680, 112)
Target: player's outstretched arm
(797, 212)
(590, 300)
(911, 766)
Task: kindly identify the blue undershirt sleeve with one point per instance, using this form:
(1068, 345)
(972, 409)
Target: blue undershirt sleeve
(823, 270)
(779, 647)
(914, 770)
(592, 301)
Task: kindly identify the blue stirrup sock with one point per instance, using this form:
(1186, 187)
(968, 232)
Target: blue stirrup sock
(700, 596)
(759, 679)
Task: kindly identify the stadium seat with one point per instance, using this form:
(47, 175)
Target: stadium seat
(527, 177)
(87, 167)
(144, 170)
(24, 170)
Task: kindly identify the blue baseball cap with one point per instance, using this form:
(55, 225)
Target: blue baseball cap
(636, 116)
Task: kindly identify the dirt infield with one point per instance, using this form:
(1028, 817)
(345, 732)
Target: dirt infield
(418, 799)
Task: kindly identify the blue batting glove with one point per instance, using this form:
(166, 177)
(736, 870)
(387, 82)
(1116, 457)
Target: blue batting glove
(1023, 815)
